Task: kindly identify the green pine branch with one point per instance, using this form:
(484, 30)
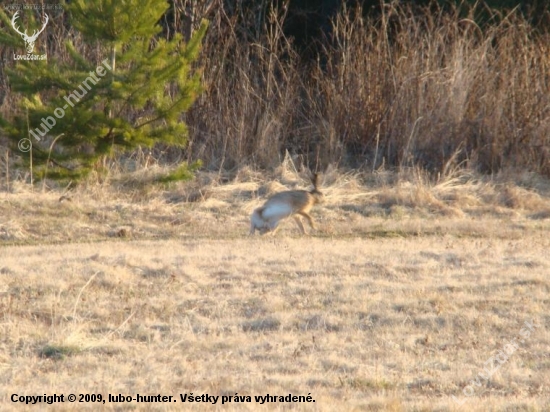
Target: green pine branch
(102, 109)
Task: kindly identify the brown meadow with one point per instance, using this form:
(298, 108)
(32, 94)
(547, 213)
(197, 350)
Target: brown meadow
(395, 303)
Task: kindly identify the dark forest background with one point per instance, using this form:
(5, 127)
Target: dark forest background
(439, 85)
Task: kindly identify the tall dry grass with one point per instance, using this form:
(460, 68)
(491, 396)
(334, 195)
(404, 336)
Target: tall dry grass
(424, 87)
(249, 110)
(428, 87)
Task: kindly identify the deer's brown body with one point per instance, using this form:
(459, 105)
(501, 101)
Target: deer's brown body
(282, 205)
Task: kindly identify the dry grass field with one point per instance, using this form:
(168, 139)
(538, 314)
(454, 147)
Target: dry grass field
(406, 293)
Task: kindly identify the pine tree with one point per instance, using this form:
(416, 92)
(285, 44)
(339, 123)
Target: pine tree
(133, 94)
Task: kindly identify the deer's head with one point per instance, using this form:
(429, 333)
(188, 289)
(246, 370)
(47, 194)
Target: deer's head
(29, 40)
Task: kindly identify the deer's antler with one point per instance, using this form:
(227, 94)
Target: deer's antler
(25, 35)
(15, 27)
(35, 34)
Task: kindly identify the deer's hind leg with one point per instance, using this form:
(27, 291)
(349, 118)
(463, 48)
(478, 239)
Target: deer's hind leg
(309, 219)
(300, 224)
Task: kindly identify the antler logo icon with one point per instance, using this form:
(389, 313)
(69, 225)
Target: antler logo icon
(29, 40)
